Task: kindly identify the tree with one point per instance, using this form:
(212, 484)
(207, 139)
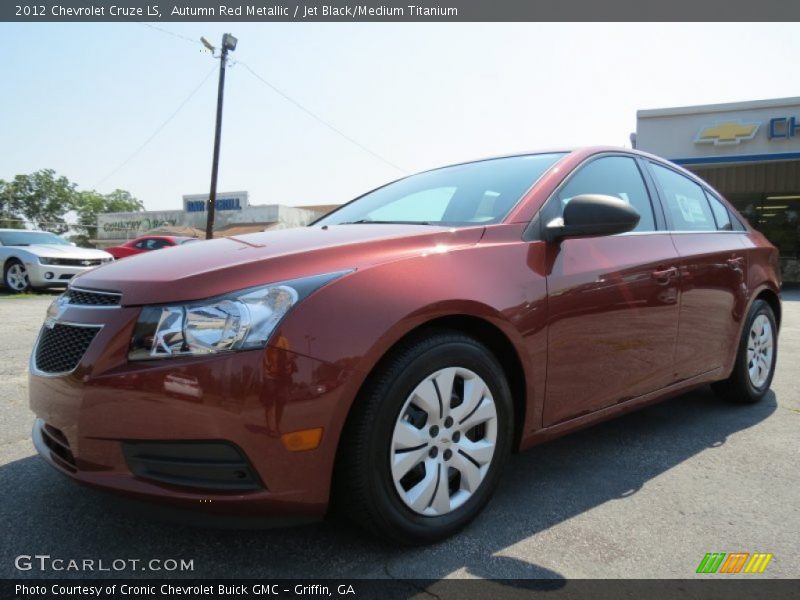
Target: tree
(41, 199)
(89, 204)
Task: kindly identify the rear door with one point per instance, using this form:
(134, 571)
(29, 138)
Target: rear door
(713, 266)
(612, 301)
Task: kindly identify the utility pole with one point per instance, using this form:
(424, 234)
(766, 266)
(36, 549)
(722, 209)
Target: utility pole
(228, 44)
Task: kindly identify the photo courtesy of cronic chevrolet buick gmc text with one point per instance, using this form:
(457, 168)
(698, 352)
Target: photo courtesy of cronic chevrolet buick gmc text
(388, 358)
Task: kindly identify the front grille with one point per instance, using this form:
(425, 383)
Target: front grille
(212, 465)
(58, 445)
(75, 262)
(61, 347)
(90, 298)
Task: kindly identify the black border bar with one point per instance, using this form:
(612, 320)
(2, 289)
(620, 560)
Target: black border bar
(398, 11)
(727, 588)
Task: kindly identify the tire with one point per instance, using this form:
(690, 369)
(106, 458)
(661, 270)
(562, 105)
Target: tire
(387, 419)
(755, 358)
(15, 277)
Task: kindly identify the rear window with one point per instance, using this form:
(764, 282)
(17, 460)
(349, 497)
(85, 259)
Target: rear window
(685, 200)
(721, 215)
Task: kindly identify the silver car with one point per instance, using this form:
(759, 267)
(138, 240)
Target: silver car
(39, 259)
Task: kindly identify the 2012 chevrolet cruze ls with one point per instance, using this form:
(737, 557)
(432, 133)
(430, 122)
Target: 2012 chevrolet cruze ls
(393, 354)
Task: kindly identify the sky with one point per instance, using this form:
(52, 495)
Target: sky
(83, 98)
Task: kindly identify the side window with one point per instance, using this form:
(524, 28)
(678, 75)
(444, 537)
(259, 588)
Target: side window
(141, 244)
(685, 201)
(721, 215)
(613, 176)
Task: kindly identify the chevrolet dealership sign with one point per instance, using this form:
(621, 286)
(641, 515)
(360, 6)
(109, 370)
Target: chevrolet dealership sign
(757, 131)
(730, 132)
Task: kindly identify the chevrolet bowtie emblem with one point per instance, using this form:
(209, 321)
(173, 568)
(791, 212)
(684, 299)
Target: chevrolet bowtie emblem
(727, 133)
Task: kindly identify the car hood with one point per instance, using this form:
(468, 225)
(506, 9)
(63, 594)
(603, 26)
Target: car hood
(62, 251)
(210, 268)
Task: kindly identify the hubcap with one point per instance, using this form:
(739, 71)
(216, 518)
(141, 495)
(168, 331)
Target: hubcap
(760, 351)
(443, 441)
(17, 277)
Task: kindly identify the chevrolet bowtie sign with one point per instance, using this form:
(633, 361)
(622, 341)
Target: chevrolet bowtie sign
(727, 133)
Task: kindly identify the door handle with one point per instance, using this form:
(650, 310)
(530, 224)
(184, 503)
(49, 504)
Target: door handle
(664, 275)
(736, 263)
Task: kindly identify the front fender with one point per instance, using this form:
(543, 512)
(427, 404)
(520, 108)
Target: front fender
(355, 320)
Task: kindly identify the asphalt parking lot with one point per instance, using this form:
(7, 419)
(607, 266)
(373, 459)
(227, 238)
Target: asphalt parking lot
(644, 496)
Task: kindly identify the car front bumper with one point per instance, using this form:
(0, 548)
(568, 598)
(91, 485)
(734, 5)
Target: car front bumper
(89, 419)
(40, 275)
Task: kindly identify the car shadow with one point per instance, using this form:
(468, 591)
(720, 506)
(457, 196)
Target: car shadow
(49, 292)
(43, 513)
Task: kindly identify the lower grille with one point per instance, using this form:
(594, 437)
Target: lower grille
(62, 347)
(205, 465)
(59, 448)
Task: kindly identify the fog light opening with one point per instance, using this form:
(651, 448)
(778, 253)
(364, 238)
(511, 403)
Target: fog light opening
(48, 275)
(305, 439)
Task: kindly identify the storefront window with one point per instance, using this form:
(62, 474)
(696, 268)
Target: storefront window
(776, 216)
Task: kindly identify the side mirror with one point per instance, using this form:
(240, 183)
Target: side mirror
(590, 215)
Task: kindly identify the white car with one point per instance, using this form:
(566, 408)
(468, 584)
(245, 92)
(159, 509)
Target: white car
(39, 259)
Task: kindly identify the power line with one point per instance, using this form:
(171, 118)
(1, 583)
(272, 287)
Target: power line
(286, 97)
(158, 129)
(168, 32)
(319, 119)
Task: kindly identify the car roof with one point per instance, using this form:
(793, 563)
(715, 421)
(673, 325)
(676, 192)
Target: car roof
(587, 152)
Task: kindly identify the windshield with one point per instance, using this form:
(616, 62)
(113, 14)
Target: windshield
(470, 194)
(27, 238)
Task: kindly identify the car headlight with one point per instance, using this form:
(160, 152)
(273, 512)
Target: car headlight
(48, 261)
(240, 320)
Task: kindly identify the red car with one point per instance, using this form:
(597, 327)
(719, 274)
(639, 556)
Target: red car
(391, 356)
(147, 243)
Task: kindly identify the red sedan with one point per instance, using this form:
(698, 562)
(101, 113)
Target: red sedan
(392, 355)
(146, 244)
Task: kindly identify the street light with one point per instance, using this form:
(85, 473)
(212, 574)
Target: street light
(228, 45)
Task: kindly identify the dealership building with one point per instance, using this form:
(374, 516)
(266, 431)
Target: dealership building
(234, 215)
(749, 151)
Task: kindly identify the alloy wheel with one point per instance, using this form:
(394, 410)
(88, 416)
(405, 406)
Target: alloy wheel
(760, 350)
(443, 441)
(17, 277)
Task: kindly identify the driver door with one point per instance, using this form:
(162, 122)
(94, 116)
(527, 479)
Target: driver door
(612, 300)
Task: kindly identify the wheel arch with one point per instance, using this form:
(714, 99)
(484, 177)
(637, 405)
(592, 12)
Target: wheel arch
(772, 298)
(484, 331)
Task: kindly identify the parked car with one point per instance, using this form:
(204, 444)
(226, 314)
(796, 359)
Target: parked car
(147, 243)
(39, 259)
(389, 358)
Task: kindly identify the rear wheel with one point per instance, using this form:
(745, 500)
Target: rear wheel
(423, 450)
(755, 360)
(15, 276)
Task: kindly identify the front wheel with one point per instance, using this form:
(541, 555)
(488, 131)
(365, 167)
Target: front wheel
(430, 434)
(755, 360)
(15, 277)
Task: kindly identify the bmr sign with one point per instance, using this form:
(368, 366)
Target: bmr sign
(194, 203)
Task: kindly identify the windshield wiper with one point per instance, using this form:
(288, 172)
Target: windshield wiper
(371, 222)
